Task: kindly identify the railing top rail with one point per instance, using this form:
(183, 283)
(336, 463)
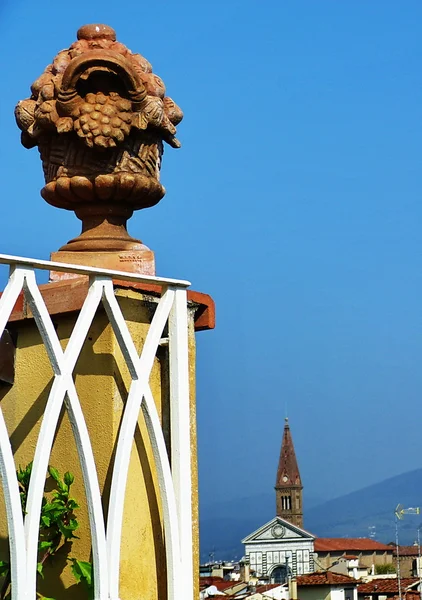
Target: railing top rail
(48, 265)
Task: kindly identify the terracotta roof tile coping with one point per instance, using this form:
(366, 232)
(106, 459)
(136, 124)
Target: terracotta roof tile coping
(324, 578)
(382, 586)
(348, 544)
(68, 296)
(406, 550)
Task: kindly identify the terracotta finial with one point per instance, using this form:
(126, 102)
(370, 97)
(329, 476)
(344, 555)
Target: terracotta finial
(99, 117)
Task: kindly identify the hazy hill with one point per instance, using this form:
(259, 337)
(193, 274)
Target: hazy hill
(224, 524)
(373, 506)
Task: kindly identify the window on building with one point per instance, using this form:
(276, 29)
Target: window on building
(259, 558)
(252, 558)
(279, 575)
(299, 562)
(276, 557)
(306, 565)
(269, 558)
(286, 502)
(348, 594)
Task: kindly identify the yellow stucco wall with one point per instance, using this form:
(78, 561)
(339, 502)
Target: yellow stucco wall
(314, 592)
(102, 381)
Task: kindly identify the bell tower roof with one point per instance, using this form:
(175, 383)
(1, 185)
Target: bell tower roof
(288, 472)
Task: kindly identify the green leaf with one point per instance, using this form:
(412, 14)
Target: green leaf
(67, 530)
(54, 474)
(43, 545)
(49, 507)
(57, 504)
(24, 475)
(68, 478)
(62, 487)
(82, 571)
(4, 568)
(72, 504)
(40, 567)
(46, 521)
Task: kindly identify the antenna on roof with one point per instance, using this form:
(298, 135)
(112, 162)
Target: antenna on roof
(399, 514)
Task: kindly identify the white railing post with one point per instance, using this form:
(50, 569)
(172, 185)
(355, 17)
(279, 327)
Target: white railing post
(181, 433)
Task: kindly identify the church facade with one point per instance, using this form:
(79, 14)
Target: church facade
(282, 547)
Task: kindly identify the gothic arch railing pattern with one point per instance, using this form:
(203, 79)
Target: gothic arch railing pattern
(174, 482)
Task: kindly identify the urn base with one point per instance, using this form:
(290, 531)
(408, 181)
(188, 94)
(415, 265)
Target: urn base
(141, 261)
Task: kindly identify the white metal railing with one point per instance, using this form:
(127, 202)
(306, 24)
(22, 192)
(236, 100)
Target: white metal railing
(174, 482)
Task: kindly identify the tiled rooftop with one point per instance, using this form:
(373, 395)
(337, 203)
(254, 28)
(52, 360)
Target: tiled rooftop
(349, 544)
(407, 596)
(406, 550)
(261, 589)
(385, 586)
(324, 578)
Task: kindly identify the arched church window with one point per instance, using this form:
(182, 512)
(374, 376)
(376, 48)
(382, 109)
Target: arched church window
(279, 574)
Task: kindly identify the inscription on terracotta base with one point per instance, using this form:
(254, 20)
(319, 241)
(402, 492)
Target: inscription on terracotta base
(139, 261)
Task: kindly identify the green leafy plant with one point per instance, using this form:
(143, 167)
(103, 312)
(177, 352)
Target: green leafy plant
(82, 572)
(384, 569)
(58, 524)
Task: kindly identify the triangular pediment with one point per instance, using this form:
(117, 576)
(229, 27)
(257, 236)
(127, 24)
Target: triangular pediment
(277, 529)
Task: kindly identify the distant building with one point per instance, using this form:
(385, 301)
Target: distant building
(382, 589)
(288, 485)
(369, 553)
(408, 559)
(326, 585)
(282, 547)
(229, 571)
(278, 549)
(350, 565)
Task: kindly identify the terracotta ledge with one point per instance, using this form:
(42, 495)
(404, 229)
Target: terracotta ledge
(68, 296)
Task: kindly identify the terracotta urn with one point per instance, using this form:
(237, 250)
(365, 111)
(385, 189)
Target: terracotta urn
(99, 117)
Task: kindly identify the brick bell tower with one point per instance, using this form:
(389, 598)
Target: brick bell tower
(288, 486)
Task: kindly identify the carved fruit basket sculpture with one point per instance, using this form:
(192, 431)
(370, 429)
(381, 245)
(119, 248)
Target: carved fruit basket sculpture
(99, 117)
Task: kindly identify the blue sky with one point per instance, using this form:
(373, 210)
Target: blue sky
(295, 201)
